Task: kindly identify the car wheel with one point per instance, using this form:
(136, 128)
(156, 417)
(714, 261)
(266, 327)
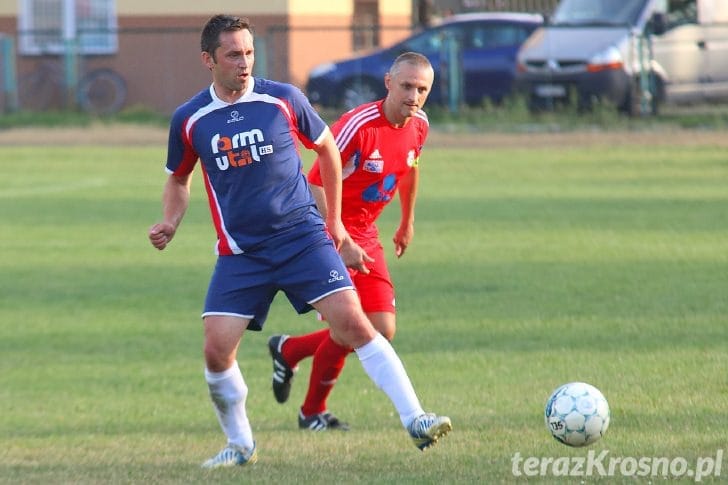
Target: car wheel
(359, 91)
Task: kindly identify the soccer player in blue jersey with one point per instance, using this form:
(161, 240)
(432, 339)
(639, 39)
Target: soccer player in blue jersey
(270, 236)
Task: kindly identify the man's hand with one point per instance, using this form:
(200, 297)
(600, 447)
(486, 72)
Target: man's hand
(354, 256)
(161, 234)
(337, 231)
(402, 239)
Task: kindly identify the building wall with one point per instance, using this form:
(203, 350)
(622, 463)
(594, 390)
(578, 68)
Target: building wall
(159, 54)
(207, 8)
(316, 38)
(162, 69)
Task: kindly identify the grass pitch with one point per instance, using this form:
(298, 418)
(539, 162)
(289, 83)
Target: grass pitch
(530, 268)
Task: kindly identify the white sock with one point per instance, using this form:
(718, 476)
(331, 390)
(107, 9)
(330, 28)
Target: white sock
(228, 393)
(384, 367)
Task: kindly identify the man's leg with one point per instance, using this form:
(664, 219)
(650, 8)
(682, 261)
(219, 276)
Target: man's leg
(295, 348)
(349, 326)
(375, 292)
(286, 352)
(228, 390)
(328, 362)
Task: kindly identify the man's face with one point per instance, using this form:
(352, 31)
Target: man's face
(408, 87)
(233, 63)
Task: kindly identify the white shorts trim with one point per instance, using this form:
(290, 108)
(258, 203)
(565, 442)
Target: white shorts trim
(227, 314)
(336, 290)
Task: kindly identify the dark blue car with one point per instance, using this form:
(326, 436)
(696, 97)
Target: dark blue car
(474, 57)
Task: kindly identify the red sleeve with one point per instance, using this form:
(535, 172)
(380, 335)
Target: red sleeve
(314, 175)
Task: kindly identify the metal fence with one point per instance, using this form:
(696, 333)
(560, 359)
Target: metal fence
(426, 12)
(536, 6)
(156, 68)
(8, 81)
(159, 67)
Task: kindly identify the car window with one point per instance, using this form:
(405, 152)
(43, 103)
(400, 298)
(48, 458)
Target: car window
(473, 36)
(495, 35)
(430, 41)
(426, 43)
(597, 12)
(682, 12)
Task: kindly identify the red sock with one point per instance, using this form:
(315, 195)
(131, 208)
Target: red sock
(328, 362)
(297, 348)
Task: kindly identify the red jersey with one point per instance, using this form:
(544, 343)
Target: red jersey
(375, 156)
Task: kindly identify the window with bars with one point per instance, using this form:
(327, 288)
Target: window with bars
(51, 26)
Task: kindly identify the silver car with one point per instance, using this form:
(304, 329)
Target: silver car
(634, 53)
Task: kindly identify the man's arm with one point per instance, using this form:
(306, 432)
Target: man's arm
(351, 253)
(407, 198)
(175, 200)
(320, 198)
(329, 161)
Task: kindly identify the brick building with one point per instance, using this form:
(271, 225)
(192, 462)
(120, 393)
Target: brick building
(154, 46)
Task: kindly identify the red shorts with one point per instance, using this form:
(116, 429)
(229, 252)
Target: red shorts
(375, 289)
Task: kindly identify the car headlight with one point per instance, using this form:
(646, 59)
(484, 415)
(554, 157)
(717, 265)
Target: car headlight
(322, 69)
(608, 59)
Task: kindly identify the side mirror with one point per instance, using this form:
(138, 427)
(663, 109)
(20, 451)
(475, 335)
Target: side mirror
(658, 23)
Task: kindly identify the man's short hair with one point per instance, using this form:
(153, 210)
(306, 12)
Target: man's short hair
(412, 58)
(210, 37)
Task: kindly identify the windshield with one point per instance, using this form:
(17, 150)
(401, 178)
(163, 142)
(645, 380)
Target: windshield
(598, 12)
(430, 42)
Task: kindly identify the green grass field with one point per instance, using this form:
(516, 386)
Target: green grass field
(530, 268)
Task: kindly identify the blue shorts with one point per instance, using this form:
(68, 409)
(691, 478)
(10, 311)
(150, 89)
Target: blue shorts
(306, 268)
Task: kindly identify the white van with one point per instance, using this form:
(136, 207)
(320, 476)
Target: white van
(635, 53)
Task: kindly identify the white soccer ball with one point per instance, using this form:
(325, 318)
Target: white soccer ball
(577, 414)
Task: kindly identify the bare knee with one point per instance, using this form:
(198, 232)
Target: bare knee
(384, 323)
(217, 360)
(352, 330)
(349, 325)
(389, 334)
(222, 338)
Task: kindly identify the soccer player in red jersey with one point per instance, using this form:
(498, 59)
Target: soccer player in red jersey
(380, 144)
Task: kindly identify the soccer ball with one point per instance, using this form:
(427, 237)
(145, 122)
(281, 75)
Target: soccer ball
(577, 414)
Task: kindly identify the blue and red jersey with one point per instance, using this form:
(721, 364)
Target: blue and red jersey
(250, 161)
(375, 156)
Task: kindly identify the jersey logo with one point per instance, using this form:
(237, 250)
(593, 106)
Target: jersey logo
(374, 163)
(235, 116)
(411, 160)
(381, 192)
(374, 166)
(335, 276)
(239, 150)
(350, 166)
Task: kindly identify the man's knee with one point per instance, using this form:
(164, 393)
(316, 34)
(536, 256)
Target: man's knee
(352, 330)
(384, 323)
(217, 360)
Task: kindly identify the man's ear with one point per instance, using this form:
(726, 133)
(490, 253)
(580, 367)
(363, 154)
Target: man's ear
(207, 60)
